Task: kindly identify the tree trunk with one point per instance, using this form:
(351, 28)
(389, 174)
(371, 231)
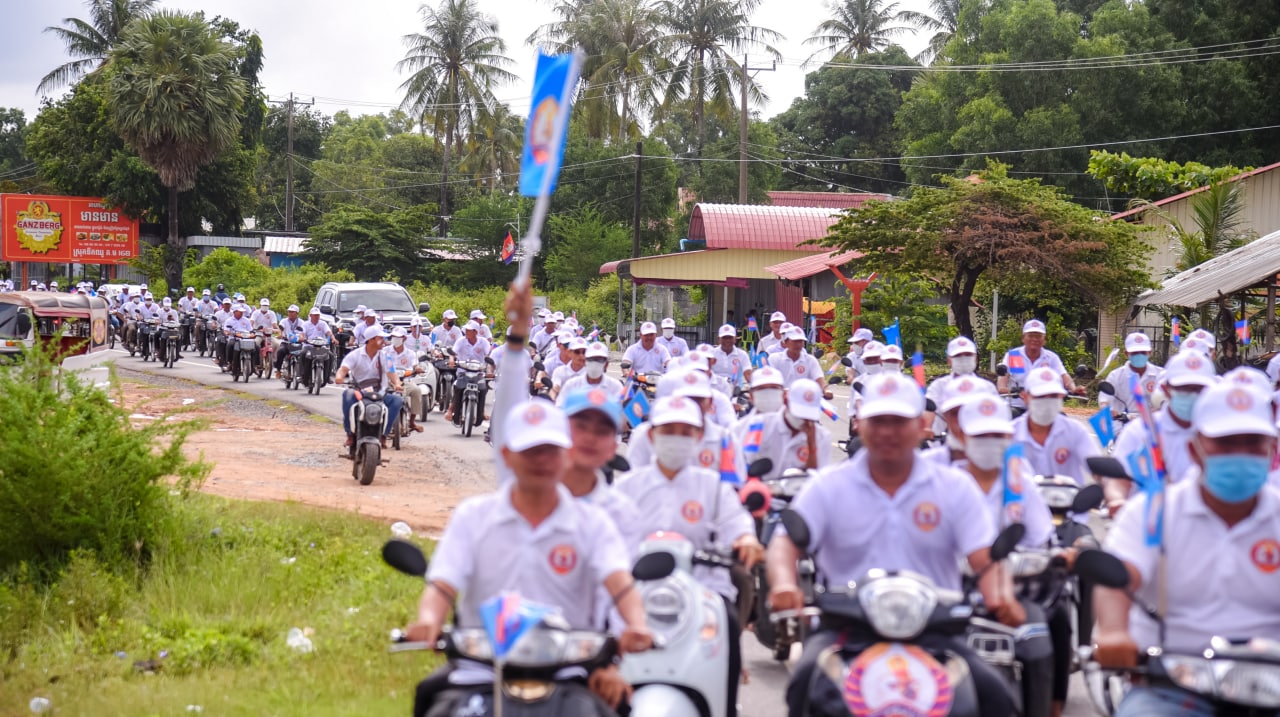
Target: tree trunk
(699, 108)
(444, 185)
(961, 297)
(177, 248)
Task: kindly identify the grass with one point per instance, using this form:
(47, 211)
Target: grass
(212, 611)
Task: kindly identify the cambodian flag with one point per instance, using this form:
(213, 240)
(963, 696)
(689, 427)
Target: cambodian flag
(508, 249)
(595, 332)
(830, 411)
(554, 80)
(728, 473)
(752, 325)
(1242, 331)
(1017, 362)
(1175, 332)
(917, 367)
(755, 435)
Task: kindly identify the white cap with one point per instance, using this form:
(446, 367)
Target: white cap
(697, 360)
(292, 307)
(961, 389)
(890, 394)
(398, 333)
(786, 326)
(450, 314)
(548, 317)
(1249, 377)
(478, 314)
(167, 301)
(1137, 342)
(777, 316)
(598, 350)
(1195, 345)
(694, 384)
(961, 345)
(668, 323)
(766, 376)
(793, 334)
(226, 300)
(727, 330)
(676, 409)
(1230, 409)
(804, 400)
(537, 423)
(315, 311)
(564, 338)
(1188, 368)
(873, 349)
(206, 292)
(578, 344)
(360, 309)
(265, 302)
(471, 326)
(861, 335)
(238, 307)
(705, 350)
(1034, 326)
(192, 289)
(1045, 382)
(648, 328)
(373, 330)
(1205, 336)
(559, 315)
(147, 296)
(983, 414)
(143, 285)
(891, 353)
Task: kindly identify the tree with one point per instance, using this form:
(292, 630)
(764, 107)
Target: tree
(718, 182)
(175, 95)
(860, 27)
(1017, 234)
(310, 128)
(493, 150)
(584, 240)
(1152, 178)
(371, 243)
(90, 41)
(480, 228)
(456, 61)
(942, 20)
(224, 266)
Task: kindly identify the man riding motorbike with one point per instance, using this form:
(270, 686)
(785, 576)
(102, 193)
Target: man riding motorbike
(290, 327)
(367, 366)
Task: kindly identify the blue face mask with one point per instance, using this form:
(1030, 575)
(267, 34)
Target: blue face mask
(1138, 360)
(1182, 404)
(1235, 478)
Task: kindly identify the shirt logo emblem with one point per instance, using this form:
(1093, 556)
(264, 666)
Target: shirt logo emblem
(802, 453)
(563, 559)
(706, 458)
(1061, 455)
(927, 516)
(800, 370)
(691, 511)
(1265, 554)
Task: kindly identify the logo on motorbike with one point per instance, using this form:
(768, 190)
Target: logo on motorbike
(706, 458)
(691, 511)
(534, 414)
(927, 516)
(1239, 399)
(563, 559)
(1266, 555)
(39, 228)
(1061, 455)
(897, 680)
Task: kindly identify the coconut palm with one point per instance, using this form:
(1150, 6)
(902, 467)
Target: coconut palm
(493, 150)
(456, 61)
(858, 27)
(89, 41)
(943, 21)
(628, 70)
(175, 97)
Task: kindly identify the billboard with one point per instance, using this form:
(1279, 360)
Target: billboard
(65, 230)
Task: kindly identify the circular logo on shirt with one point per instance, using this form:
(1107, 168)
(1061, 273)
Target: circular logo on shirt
(1013, 511)
(926, 516)
(1265, 554)
(596, 397)
(800, 370)
(563, 559)
(1061, 455)
(1239, 399)
(1150, 387)
(802, 453)
(691, 511)
(534, 414)
(706, 458)
(737, 363)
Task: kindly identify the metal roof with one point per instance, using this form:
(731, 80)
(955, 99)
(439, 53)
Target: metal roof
(232, 242)
(1169, 200)
(283, 245)
(718, 267)
(807, 266)
(752, 226)
(1242, 268)
(825, 200)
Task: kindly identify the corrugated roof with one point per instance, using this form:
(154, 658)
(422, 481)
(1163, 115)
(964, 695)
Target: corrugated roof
(807, 266)
(720, 267)
(232, 242)
(824, 200)
(751, 226)
(283, 245)
(1240, 269)
(1169, 200)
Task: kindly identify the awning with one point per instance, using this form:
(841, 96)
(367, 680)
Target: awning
(808, 266)
(1251, 265)
(714, 267)
(282, 245)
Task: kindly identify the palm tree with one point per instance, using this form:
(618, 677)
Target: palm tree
(628, 68)
(493, 151)
(175, 97)
(859, 27)
(703, 40)
(89, 41)
(943, 22)
(456, 61)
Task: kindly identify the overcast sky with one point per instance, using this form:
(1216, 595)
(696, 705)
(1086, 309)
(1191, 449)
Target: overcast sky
(344, 53)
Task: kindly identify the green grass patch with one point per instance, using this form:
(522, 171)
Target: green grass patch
(210, 612)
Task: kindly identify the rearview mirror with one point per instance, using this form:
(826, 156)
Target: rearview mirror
(654, 566)
(846, 362)
(405, 557)
(1007, 541)
(797, 529)
(326, 309)
(754, 502)
(930, 406)
(424, 307)
(1082, 371)
(857, 386)
(1107, 467)
(619, 464)
(818, 353)
(546, 382)
(1107, 388)
(759, 467)
(835, 380)
(539, 366)
(1002, 370)
(1102, 568)
(1087, 499)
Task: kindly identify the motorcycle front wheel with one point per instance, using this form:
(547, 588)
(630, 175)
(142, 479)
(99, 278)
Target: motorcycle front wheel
(468, 415)
(246, 365)
(367, 459)
(427, 399)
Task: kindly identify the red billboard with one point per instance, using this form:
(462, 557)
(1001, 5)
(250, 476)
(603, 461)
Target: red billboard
(65, 230)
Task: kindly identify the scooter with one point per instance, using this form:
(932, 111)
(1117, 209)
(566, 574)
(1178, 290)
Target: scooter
(779, 631)
(369, 422)
(424, 381)
(243, 346)
(168, 339)
(318, 353)
(471, 412)
(291, 372)
(146, 335)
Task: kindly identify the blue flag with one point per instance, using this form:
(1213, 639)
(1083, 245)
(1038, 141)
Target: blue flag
(1102, 425)
(548, 125)
(636, 409)
(892, 334)
(1013, 479)
(1142, 468)
(507, 617)
(758, 358)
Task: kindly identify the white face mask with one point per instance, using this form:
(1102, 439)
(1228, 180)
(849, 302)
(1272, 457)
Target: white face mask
(856, 349)
(397, 342)
(986, 453)
(674, 451)
(767, 400)
(874, 368)
(792, 420)
(595, 369)
(668, 333)
(964, 364)
(1044, 410)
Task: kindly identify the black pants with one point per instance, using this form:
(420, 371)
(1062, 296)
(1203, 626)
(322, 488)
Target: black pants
(425, 695)
(735, 657)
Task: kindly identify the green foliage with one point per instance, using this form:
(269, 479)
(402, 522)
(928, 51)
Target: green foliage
(718, 181)
(914, 304)
(1058, 338)
(599, 303)
(106, 490)
(1152, 178)
(224, 266)
(480, 228)
(293, 285)
(371, 243)
(583, 242)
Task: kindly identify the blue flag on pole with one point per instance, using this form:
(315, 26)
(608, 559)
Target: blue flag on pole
(636, 409)
(507, 617)
(1013, 479)
(1103, 426)
(553, 84)
(758, 358)
(892, 334)
(1142, 467)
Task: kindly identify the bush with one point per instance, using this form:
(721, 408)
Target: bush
(223, 266)
(598, 304)
(77, 475)
(299, 285)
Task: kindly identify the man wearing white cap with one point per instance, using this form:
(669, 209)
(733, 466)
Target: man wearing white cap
(953, 397)
(447, 332)
(368, 366)
(1138, 368)
(531, 537)
(558, 355)
(187, 304)
(544, 335)
(772, 341)
(722, 413)
(676, 346)
(1216, 569)
(731, 363)
(1031, 355)
(593, 376)
(416, 339)
(767, 397)
(885, 508)
(718, 445)
(1206, 342)
(794, 363)
(263, 318)
(857, 344)
(468, 348)
(962, 357)
(290, 326)
(646, 355)
(891, 359)
(577, 364)
(795, 437)
(405, 363)
(236, 322)
(1053, 444)
(485, 332)
(675, 494)
(206, 305)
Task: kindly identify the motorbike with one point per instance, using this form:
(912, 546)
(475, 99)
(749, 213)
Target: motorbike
(187, 320)
(540, 387)
(1239, 677)
(780, 631)
(424, 381)
(471, 412)
(169, 338)
(532, 669)
(244, 345)
(318, 353)
(206, 329)
(219, 346)
(266, 351)
(146, 333)
(291, 367)
(444, 384)
(369, 422)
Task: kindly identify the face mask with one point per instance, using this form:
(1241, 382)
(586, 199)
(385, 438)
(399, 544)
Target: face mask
(1235, 478)
(1044, 410)
(1138, 360)
(1182, 403)
(767, 400)
(892, 367)
(874, 368)
(795, 422)
(674, 451)
(595, 369)
(397, 342)
(964, 364)
(986, 453)
(856, 349)
(668, 333)
(954, 442)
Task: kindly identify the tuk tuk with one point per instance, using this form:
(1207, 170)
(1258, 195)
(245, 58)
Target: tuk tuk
(77, 323)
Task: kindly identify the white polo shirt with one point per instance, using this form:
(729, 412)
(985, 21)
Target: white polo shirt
(675, 345)
(1221, 581)
(789, 449)
(1031, 511)
(937, 392)
(440, 336)
(467, 351)
(565, 372)
(1064, 451)
(1047, 358)
(401, 361)
(362, 367)
(647, 360)
(695, 503)
(1175, 442)
(771, 344)
(735, 361)
(937, 517)
(640, 449)
(611, 386)
(793, 369)
(318, 329)
(263, 319)
(1120, 379)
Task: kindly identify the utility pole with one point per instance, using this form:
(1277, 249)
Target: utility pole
(742, 128)
(288, 186)
(635, 231)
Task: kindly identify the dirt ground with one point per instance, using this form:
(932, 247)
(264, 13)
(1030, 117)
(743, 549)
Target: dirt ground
(267, 450)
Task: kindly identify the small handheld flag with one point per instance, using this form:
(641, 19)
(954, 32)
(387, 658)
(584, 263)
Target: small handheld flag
(1017, 363)
(758, 359)
(595, 332)
(507, 617)
(755, 436)
(752, 325)
(830, 411)
(917, 367)
(1013, 479)
(508, 249)
(728, 473)
(1175, 332)
(813, 329)
(636, 409)
(1242, 331)
(892, 334)
(1103, 426)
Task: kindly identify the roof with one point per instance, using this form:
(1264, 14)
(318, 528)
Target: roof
(752, 226)
(1239, 269)
(283, 245)
(1178, 197)
(807, 266)
(824, 200)
(232, 242)
(717, 267)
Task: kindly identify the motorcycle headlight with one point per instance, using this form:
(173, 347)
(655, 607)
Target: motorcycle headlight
(473, 643)
(1025, 565)
(1059, 497)
(665, 607)
(1256, 684)
(545, 647)
(898, 608)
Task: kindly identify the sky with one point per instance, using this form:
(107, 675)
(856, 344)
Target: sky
(343, 53)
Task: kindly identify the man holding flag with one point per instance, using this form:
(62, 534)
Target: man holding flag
(1032, 355)
(794, 363)
(1138, 369)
